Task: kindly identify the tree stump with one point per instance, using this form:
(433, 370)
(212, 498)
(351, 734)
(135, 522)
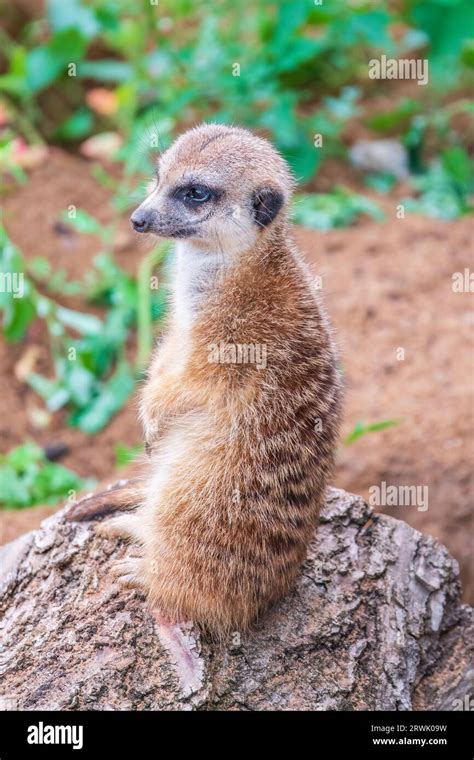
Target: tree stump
(373, 623)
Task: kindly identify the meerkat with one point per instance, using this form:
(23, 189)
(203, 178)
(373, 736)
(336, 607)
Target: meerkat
(241, 405)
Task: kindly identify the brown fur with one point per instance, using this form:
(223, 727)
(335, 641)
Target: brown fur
(239, 455)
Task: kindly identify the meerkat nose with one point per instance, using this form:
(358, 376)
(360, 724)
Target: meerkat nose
(141, 219)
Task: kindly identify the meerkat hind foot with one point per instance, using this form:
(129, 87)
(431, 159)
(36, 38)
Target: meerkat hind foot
(128, 572)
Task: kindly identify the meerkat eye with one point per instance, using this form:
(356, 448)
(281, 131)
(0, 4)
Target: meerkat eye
(195, 194)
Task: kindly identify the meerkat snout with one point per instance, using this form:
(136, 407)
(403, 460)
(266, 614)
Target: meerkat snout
(210, 188)
(141, 220)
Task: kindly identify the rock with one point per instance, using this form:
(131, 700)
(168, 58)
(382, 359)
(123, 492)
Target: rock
(381, 156)
(374, 623)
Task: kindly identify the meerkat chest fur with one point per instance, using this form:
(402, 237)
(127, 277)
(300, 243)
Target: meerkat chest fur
(240, 449)
(194, 274)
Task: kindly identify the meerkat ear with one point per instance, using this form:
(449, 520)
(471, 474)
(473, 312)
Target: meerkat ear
(266, 201)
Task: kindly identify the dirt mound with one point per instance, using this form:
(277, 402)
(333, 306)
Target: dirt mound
(389, 291)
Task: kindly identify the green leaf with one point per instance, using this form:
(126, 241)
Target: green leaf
(22, 457)
(44, 64)
(360, 429)
(81, 384)
(382, 182)
(72, 14)
(14, 82)
(467, 53)
(14, 491)
(54, 481)
(112, 396)
(86, 324)
(396, 118)
(17, 316)
(16, 302)
(105, 71)
(448, 24)
(42, 68)
(40, 267)
(360, 26)
(76, 126)
(298, 53)
(28, 478)
(291, 14)
(459, 167)
(125, 454)
(49, 390)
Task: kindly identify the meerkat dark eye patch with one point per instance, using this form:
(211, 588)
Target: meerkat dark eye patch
(267, 202)
(193, 194)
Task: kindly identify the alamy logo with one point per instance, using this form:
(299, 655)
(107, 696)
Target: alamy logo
(399, 68)
(463, 282)
(238, 353)
(42, 734)
(464, 704)
(12, 282)
(399, 496)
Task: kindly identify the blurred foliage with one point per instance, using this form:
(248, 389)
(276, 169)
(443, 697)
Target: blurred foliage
(419, 122)
(27, 478)
(91, 372)
(339, 208)
(444, 190)
(143, 66)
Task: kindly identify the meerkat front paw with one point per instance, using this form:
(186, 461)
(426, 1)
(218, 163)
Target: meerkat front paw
(124, 526)
(152, 419)
(128, 572)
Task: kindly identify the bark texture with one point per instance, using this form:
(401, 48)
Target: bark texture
(373, 623)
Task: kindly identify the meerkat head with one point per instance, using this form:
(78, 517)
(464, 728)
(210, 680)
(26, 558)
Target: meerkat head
(220, 187)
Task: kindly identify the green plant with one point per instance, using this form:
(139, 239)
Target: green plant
(28, 478)
(421, 123)
(126, 454)
(446, 189)
(323, 211)
(361, 428)
(177, 63)
(92, 374)
(446, 26)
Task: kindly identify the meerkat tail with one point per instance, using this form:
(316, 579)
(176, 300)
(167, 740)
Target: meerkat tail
(123, 495)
